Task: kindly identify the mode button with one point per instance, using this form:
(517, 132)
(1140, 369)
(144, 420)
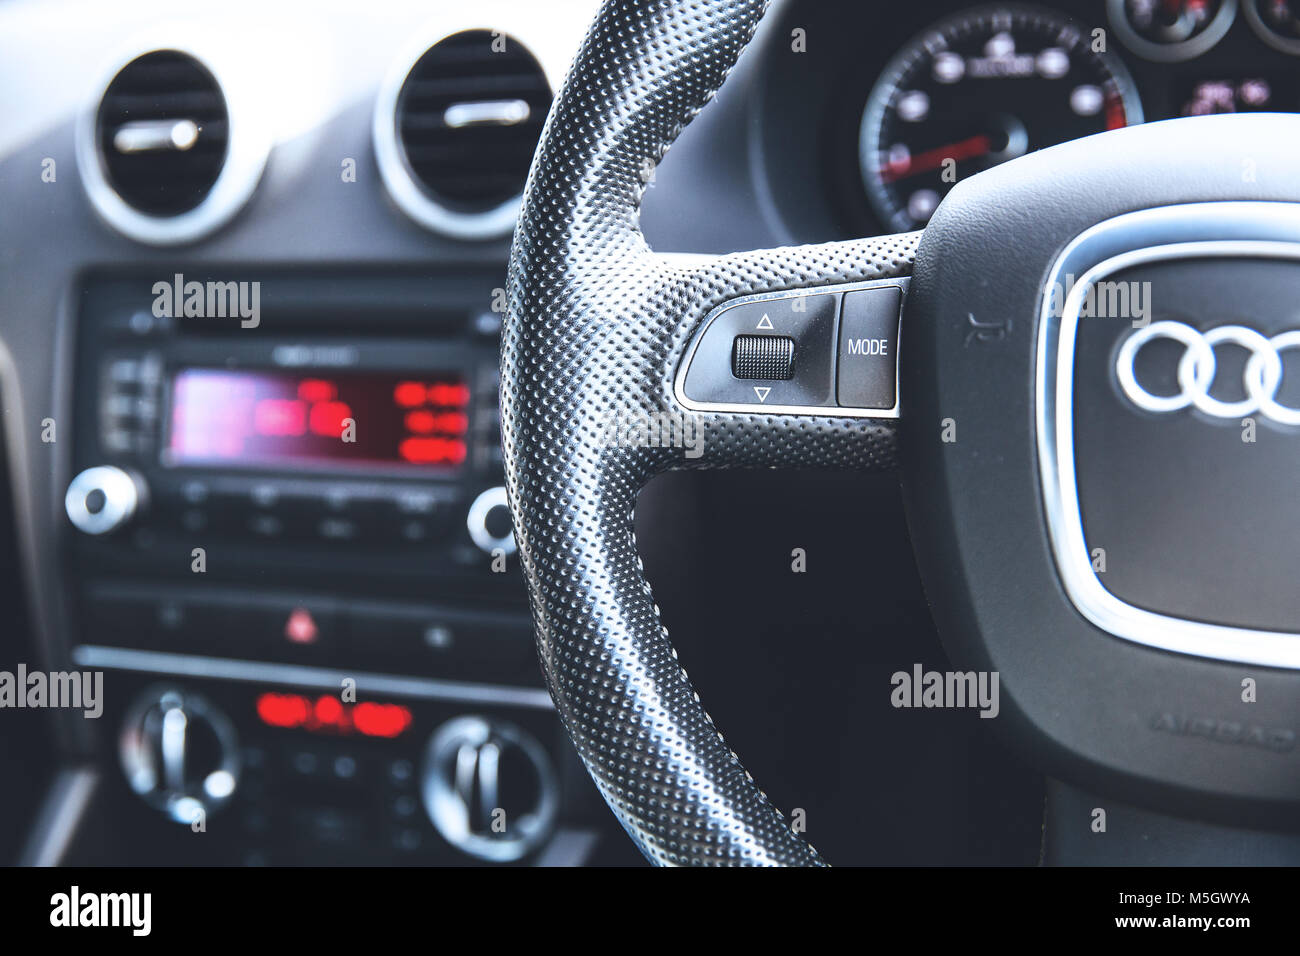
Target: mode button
(867, 361)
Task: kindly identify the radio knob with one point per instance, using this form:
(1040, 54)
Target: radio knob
(103, 499)
(180, 753)
(489, 523)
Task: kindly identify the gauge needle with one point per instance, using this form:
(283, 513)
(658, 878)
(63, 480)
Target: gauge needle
(934, 158)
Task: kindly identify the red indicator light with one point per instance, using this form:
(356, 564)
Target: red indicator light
(422, 422)
(432, 451)
(279, 416)
(327, 418)
(409, 394)
(452, 423)
(328, 714)
(283, 710)
(316, 390)
(381, 720)
(300, 628)
(455, 394)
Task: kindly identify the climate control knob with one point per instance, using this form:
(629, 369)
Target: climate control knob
(103, 499)
(490, 788)
(180, 753)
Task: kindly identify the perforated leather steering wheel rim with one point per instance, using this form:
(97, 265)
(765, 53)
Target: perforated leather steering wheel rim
(596, 329)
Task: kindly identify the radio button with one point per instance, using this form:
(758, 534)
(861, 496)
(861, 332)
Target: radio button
(337, 529)
(461, 645)
(401, 634)
(195, 492)
(194, 520)
(339, 500)
(265, 526)
(264, 495)
(412, 501)
(167, 623)
(124, 371)
(414, 516)
(415, 531)
(305, 631)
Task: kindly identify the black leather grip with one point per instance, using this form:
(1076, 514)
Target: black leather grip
(596, 327)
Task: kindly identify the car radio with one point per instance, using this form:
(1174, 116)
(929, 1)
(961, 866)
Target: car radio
(322, 486)
(385, 448)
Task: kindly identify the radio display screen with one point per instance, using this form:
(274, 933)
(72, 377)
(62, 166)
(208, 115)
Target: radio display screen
(275, 417)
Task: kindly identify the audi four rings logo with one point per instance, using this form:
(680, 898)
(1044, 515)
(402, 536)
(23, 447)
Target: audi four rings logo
(1196, 368)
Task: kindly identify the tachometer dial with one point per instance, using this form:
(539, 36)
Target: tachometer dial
(976, 90)
(1277, 23)
(1169, 30)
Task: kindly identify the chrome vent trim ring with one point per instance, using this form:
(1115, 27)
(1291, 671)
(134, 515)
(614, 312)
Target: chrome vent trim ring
(405, 185)
(247, 146)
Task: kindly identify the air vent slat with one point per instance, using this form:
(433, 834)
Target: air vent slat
(170, 179)
(434, 91)
(476, 167)
(195, 106)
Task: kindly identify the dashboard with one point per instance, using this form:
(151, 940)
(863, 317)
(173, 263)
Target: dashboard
(252, 270)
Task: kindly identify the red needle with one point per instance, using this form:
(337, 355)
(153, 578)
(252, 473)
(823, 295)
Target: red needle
(933, 159)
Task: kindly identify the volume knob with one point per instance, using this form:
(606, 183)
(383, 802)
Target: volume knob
(488, 522)
(103, 499)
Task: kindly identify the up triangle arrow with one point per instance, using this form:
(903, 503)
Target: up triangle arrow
(761, 391)
(764, 322)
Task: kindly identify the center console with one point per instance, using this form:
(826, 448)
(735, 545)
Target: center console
(289, 548)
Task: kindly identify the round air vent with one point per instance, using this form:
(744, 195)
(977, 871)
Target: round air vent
(161, 154)
(163, 131)
(455, 133)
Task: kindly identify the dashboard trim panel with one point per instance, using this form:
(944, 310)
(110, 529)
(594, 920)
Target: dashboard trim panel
(262, 672)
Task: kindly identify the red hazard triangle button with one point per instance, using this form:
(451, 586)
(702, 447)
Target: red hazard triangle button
(301, 628)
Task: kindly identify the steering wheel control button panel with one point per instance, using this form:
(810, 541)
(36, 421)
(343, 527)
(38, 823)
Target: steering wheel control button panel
(827, 351)
(738, 364)
(867, 362)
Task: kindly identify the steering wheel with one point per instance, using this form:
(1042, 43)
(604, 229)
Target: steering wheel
(1124, 620)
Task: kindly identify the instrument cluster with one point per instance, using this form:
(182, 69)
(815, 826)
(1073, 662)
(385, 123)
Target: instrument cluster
(917, 103)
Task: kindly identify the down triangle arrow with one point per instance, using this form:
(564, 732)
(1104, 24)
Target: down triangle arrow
(761, 391)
